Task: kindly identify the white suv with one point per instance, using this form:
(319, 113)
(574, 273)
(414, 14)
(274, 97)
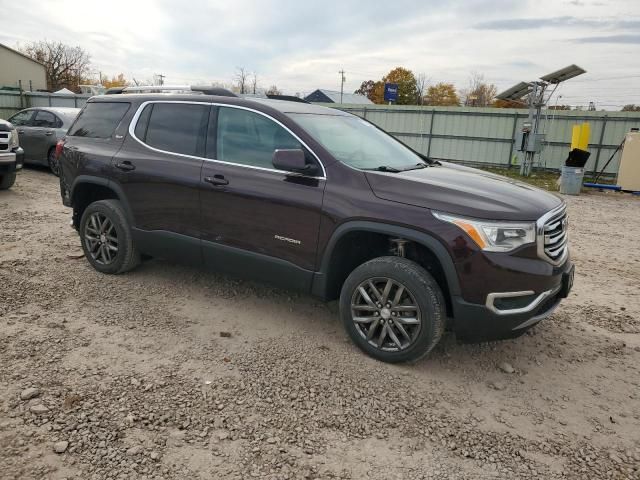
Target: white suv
(11, 155)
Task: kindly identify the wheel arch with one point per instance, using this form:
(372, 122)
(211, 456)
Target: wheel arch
(87, 189)
(340, 257)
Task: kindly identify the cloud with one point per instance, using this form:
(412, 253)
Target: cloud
(301, 46)
(625, 39)
(524, 23)
(566, 21)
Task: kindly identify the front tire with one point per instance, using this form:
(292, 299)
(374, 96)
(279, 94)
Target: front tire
(393, 309)
(106, 238)
(7, 180)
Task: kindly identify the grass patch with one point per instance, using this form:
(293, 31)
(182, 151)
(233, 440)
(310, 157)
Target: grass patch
(545, 179)
(540, 178)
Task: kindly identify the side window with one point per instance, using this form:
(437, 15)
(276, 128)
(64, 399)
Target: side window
(177, 128)
(249, 138)
(45, 119)
(22, 119)
(99, 119)
(143, 123)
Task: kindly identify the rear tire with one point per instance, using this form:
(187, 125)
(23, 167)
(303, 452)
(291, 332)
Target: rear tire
(7, 180)
(393, 309)
(52, 161)
(106, 238)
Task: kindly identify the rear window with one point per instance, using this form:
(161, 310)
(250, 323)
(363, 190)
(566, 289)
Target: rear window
(99, 119)
(175, 127)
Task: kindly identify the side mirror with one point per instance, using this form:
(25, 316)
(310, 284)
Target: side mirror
(292, 161)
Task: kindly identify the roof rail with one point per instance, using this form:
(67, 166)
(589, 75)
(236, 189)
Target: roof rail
(288, 98)
(196, 90)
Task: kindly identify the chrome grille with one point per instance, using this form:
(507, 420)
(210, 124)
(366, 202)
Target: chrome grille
(553, 235)
(4, 140)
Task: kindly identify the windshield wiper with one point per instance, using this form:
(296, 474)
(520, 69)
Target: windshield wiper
(417, 166)
(385, 168)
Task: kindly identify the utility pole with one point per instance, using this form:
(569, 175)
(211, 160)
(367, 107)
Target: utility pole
(342, 80)
(160, 78)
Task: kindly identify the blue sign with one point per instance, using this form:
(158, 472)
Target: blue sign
(390, 92)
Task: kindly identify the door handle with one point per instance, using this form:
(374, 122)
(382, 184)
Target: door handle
(217, 180)
(126, 166)
(20, 131)
(48, 133)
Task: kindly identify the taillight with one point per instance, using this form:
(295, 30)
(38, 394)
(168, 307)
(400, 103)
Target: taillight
(59, 147)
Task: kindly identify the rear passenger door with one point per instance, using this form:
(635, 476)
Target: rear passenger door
(43, 133)
(158, 169)
(257, 220)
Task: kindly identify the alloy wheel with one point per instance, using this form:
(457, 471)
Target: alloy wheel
(101, 238)
(386, 314)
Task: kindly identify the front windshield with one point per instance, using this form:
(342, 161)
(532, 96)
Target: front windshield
(357, 143)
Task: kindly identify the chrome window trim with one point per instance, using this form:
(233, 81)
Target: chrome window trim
(540, 235)
(136, 116)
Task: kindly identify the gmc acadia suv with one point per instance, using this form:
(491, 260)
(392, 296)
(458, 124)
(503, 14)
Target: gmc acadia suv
(318, 200)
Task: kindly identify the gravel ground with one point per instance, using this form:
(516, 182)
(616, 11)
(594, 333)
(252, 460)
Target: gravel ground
(171, 372)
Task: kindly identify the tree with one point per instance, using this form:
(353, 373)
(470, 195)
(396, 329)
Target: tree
(254, 83)
(407, 86)
(65, 65)
(376, 95)
(366, 89)
(241, 78)
(479, 93)
(116, 81)
(442, 94)
(631, 108)
(273, 90)
(421, 84)
(499, 103)
(559, 107)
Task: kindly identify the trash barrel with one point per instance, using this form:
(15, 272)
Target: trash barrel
(571, 180)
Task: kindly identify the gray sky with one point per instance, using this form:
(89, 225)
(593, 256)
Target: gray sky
(301, 45)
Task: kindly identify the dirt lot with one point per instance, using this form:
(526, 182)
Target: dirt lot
(172, 372)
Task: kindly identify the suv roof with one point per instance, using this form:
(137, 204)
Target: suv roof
(283, 106)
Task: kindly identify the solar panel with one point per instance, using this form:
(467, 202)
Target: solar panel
(514, 93)
(563, 74)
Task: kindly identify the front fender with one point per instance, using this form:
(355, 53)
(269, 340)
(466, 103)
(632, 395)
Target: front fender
(320, 287)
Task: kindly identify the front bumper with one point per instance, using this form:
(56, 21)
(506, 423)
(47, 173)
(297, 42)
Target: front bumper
(11, 161)
(474, 322)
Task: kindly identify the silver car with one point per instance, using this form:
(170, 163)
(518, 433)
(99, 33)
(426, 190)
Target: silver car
(39, 130)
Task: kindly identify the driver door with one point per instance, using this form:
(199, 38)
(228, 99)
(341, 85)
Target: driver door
(256, 219)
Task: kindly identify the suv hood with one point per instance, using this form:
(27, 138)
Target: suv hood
(464, 191)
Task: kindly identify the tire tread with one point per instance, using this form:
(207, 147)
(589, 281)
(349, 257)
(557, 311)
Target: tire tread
(435, 321)
(132, 256)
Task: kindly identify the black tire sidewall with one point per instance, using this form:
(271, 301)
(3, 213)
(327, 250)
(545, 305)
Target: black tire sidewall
(425, 291)
(52, 162)
(108, 209)
(7, 180)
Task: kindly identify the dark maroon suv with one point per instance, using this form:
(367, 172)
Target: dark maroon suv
(318, 200)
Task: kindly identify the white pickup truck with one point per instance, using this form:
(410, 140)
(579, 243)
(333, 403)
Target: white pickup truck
(11, 155)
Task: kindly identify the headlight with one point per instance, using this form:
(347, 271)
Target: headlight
(14, 141)
(493, 236)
